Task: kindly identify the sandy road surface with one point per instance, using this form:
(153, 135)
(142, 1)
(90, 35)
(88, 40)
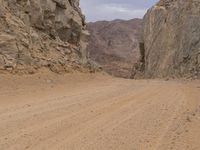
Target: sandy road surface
(96, 112)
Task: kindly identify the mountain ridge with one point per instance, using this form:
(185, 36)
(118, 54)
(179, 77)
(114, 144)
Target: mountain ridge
(114, 45)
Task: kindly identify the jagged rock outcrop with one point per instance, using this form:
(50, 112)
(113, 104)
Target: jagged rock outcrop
(41, 33)
(171, 39)
(114, 45)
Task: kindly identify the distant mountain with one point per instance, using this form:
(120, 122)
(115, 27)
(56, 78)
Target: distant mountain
(114, 45)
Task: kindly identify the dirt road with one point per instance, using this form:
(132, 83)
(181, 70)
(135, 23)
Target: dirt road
(97, 112)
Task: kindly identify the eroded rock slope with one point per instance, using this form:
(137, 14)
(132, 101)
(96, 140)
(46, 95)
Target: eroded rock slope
(171, 39)
(114, 45)
(41, 33)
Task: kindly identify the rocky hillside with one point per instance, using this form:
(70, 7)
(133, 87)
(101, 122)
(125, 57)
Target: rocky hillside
(114, 45)
(171, 39)
(41, 33)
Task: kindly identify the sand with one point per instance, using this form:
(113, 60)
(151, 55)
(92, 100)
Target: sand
(96, 112)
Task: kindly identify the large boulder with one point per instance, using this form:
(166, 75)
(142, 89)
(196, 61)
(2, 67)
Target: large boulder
(41, 33)
(170, 42)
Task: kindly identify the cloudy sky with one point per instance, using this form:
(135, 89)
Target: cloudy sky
(115, 9)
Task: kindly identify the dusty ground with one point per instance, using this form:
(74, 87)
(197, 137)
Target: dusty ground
(97, 112)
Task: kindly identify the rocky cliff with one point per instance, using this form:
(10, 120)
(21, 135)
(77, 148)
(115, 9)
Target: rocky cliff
(41, 33)
(114, 45)
(170, 44)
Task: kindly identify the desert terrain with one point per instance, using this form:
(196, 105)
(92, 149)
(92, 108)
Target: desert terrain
(54, 97)
(81, 111)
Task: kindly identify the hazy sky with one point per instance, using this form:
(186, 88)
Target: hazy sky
(115, 9)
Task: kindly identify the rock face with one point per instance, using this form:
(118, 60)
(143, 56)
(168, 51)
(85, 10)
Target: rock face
(41, 33)
(114, 45)
(171, 39)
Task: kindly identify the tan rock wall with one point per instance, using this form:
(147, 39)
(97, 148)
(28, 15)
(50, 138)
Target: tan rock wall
(171, 38)
(47, 33)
